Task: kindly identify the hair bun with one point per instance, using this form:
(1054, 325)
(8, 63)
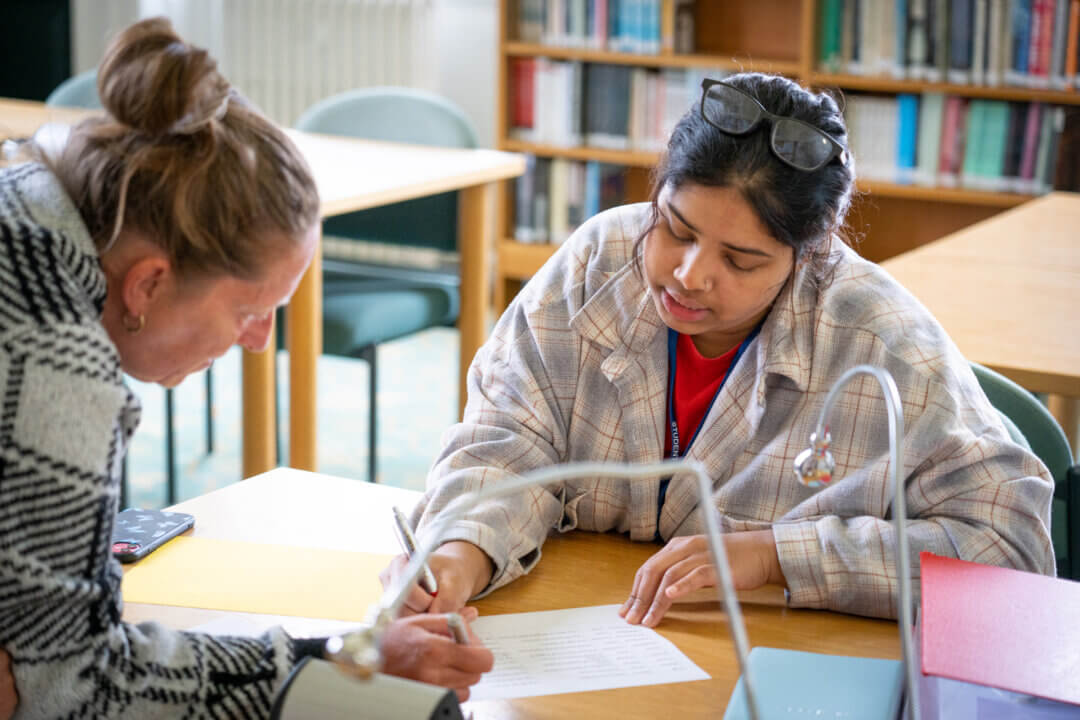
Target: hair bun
(154, 82)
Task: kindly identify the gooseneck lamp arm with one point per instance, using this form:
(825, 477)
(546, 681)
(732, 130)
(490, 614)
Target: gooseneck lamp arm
(358, 652)
(814, 467)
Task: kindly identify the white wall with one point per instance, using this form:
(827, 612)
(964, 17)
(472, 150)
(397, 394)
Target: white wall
(464, 58)
(466, 52)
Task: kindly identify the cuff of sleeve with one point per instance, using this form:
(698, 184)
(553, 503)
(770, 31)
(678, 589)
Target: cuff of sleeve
(487, 540)
(307, 647)
(799, 550)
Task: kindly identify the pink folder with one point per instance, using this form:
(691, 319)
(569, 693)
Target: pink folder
(1001, 628)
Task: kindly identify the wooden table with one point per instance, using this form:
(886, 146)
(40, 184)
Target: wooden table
(351, 175)
(287, 506)
(1006, 291)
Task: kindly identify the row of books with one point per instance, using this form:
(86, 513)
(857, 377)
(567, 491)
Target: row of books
(1028, 43)
(632, 26)
(554, 196)
(616, 107)
(938, 140)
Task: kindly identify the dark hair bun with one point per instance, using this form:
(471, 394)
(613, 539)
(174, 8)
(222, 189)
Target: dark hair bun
(154, 82)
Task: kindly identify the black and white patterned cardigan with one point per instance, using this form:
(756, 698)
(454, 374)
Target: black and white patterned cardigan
(65, 423)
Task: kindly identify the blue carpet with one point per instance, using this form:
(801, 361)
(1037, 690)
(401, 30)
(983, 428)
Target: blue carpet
(418, 378)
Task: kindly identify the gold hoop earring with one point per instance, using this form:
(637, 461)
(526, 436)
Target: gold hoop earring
(133, 324)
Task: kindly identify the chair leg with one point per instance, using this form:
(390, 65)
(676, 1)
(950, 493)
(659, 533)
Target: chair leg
(170, 450)
(210, 410)
(277, 414)
(369, 353)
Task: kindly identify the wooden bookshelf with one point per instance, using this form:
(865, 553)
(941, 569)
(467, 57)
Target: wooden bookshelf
(631, 158)
(771, 36)
(878, 84)
(669, 60)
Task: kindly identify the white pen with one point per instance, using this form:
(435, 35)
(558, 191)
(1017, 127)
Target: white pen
(457, 629)
(408, 546)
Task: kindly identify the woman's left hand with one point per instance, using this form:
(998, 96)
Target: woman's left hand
(9, 698)
(685, 565)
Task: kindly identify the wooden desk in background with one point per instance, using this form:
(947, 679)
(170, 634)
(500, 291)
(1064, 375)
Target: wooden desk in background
(1006, 290)
(288, 507)
(351, 175)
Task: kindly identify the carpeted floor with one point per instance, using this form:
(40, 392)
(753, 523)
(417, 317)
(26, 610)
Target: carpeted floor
(417, 401)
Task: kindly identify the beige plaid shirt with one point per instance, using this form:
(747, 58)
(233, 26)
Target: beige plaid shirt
(577, 370)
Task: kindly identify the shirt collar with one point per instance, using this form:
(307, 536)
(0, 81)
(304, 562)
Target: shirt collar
(48, 205)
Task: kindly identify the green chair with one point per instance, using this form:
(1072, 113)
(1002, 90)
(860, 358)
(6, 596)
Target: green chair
(1031, 425)
(368, 303)
(81, 91)
(77, 91)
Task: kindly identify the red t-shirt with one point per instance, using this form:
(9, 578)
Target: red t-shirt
(696, 381)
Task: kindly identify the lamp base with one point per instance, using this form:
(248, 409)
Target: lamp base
(317, 689)
(791, 682)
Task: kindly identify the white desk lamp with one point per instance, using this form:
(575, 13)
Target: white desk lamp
(358, 652)
(814, 467)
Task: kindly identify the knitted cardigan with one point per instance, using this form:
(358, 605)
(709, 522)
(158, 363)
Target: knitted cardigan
(65, 423)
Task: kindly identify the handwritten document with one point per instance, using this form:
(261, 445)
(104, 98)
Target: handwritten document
(565, 651)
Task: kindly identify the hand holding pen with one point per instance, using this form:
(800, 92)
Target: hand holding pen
(460, 570)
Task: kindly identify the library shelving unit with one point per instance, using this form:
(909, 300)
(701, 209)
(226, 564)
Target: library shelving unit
(777, 36)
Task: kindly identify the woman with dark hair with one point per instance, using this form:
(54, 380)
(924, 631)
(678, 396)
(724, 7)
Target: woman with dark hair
(711, 322)
(148, 243)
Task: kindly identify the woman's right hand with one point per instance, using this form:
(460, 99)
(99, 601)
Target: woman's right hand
(422, 648)
(461, 569)
(9, 698)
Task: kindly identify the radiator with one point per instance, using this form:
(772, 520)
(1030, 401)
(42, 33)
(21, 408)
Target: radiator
(287, 54)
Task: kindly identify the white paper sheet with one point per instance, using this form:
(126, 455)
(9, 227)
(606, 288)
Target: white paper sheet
(564, 651)
(253, 625)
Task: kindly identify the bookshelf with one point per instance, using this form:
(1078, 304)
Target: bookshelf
(779, 36)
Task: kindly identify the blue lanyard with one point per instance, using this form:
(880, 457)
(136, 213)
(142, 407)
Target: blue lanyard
(676, 449)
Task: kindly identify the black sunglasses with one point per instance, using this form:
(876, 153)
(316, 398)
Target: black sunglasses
(796, 143)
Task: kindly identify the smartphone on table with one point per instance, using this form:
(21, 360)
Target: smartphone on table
(137, 533)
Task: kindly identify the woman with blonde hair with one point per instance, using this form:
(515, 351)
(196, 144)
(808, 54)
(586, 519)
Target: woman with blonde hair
(151, 241)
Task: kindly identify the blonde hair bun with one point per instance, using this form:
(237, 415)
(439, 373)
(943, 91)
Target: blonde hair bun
(152, 81)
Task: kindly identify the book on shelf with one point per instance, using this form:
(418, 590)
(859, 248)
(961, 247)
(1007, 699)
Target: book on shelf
(631, 26)
(554, 196)
(977, 144)
(1024, 43)
(928, 137)
(907, 135)
(571, 104)
(683, 27)
(1072, 46)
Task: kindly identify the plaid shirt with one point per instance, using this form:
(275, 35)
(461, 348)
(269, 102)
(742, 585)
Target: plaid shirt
(577, 369)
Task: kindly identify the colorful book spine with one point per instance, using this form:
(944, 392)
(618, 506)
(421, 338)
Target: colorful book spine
(1021, 41)
(907, 137)
(900, 39)
(931, 118)
(952, 141)
(829, 23)
(961, 20)
(979, 41)
(974, 141)
(1060, 38)
(1031, 147)
(918, 39)
(1072, 46)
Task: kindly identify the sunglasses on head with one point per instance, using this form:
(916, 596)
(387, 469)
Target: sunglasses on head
(796, 143)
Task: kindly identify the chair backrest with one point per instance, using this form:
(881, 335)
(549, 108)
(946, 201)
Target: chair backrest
(396, 115)
(1042, 434)
(77, 91)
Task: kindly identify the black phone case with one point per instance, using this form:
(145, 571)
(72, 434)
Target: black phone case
(137, 533)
